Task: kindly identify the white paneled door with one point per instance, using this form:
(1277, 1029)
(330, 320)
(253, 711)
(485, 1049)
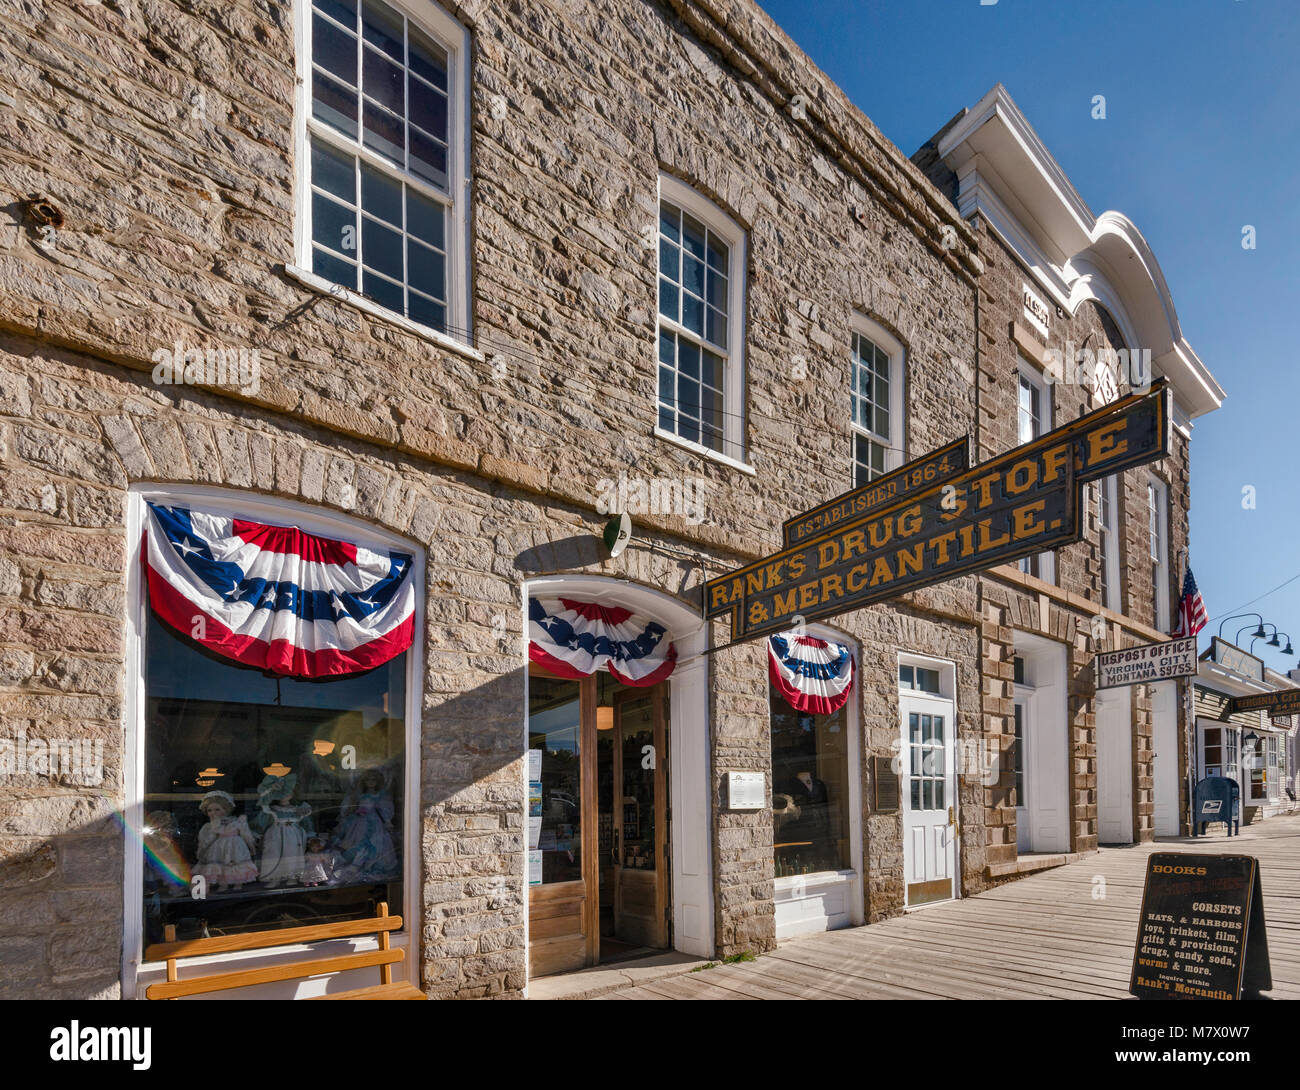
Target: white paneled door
(929, 782)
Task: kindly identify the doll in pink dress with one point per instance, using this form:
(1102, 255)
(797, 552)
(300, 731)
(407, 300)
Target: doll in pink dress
(226, 844)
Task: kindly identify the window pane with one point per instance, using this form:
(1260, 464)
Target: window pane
(670, 222)
(333, 269)
(381, 195)
(381, 26)
(669, 263)
(668, 300)
(427, 312)
(688, 359)
(246, 785)
(716, 330)
(428, 61)
(426, 219)
(426, 270)
(334, 104)
(383, 81)
(693, 275)
(333, 171)
(693, 235)
(554, 730)
(343, 11)
(383, 133)
(334, 50)
(333, 225)
(381, 249)
(718, 254)
(693, 314)
(384, 292)
(428, 110)
(810, 790)
(429, 159)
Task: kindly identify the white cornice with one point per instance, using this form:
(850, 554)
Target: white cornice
(1006, 174)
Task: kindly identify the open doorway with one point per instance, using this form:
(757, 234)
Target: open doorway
(598, 821)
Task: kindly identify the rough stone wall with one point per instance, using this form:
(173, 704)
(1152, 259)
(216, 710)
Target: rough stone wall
(163, 131)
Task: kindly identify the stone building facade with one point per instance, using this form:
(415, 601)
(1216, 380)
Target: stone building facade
(170, 177)
(1061, 287)
(157, 166)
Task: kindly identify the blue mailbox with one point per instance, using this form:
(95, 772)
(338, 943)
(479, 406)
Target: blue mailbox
(1216, 798)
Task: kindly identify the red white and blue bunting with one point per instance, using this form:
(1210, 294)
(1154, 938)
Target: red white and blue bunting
(277, 597)
(813, 675)
(575, 639)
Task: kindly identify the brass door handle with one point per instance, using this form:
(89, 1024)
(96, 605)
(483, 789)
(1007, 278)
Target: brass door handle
(951, 818)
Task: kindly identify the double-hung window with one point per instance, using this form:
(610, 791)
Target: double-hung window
(1108, 518)
(1158, 550)
(876, 392)
(701, 323)
(1034, 418)
(384, 129)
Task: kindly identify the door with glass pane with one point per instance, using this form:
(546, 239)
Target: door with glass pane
(640, 802)
(561, 814)
(929, 799)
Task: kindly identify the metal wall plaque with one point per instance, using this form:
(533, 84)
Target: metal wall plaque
(746, 791)
(884, 780)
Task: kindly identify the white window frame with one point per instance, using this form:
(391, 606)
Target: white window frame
(895, 443)
(1108, 490)
(1157, 551)
(454, 38)
(135, 971)
(734, 413)
(1028, 373)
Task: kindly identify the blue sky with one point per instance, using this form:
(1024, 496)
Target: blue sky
(1199, 140)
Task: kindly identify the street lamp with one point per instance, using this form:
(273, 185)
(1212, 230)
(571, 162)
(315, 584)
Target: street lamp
(1259, 632)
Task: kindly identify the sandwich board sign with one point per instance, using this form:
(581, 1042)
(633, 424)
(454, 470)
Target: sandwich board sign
(1201, 929)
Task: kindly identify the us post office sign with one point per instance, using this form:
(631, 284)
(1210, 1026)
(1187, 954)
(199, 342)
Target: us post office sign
(1150, 662)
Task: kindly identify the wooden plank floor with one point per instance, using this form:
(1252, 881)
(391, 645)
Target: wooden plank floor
(1066, 933)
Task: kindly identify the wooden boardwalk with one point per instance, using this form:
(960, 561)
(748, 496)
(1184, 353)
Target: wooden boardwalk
(1066, 933)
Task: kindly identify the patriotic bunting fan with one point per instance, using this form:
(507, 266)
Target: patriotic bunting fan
(277, 597)
(575, 639)
(814, 676)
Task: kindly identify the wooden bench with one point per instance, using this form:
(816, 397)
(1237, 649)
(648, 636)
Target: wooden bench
(381, 924)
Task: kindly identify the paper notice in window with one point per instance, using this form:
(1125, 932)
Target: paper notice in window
(534, 764)
(534, 868)
(534, 831)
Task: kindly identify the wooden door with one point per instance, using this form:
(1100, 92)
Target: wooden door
(563, 908)
(640, 818)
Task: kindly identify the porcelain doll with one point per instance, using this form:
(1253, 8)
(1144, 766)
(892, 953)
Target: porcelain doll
(317, 864)
(364, 838)
(226, 844)
(287, 828)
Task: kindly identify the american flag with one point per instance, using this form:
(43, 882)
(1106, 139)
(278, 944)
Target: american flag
(1191, 610)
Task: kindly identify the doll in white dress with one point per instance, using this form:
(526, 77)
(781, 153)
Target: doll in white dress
(226, 844)
(287, 827)
(318, 864)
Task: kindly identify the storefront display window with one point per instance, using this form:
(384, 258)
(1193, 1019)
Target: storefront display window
(268, 801)
(810, 781)
(555, 780)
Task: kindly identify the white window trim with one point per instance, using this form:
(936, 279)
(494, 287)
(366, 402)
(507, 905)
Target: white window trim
(895, 443)
(1161, 493)
(1110, 543)
(454, 38)
(315, 520)
(1031, 374)
(734, 409)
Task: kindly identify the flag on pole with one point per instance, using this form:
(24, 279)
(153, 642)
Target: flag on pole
(1191, 609)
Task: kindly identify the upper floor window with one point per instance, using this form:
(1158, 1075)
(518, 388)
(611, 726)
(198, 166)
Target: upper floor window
(701, 322)
(1108, 518)
(1158, 550)
(1034, 418)
(876, 389)
(384, 211)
